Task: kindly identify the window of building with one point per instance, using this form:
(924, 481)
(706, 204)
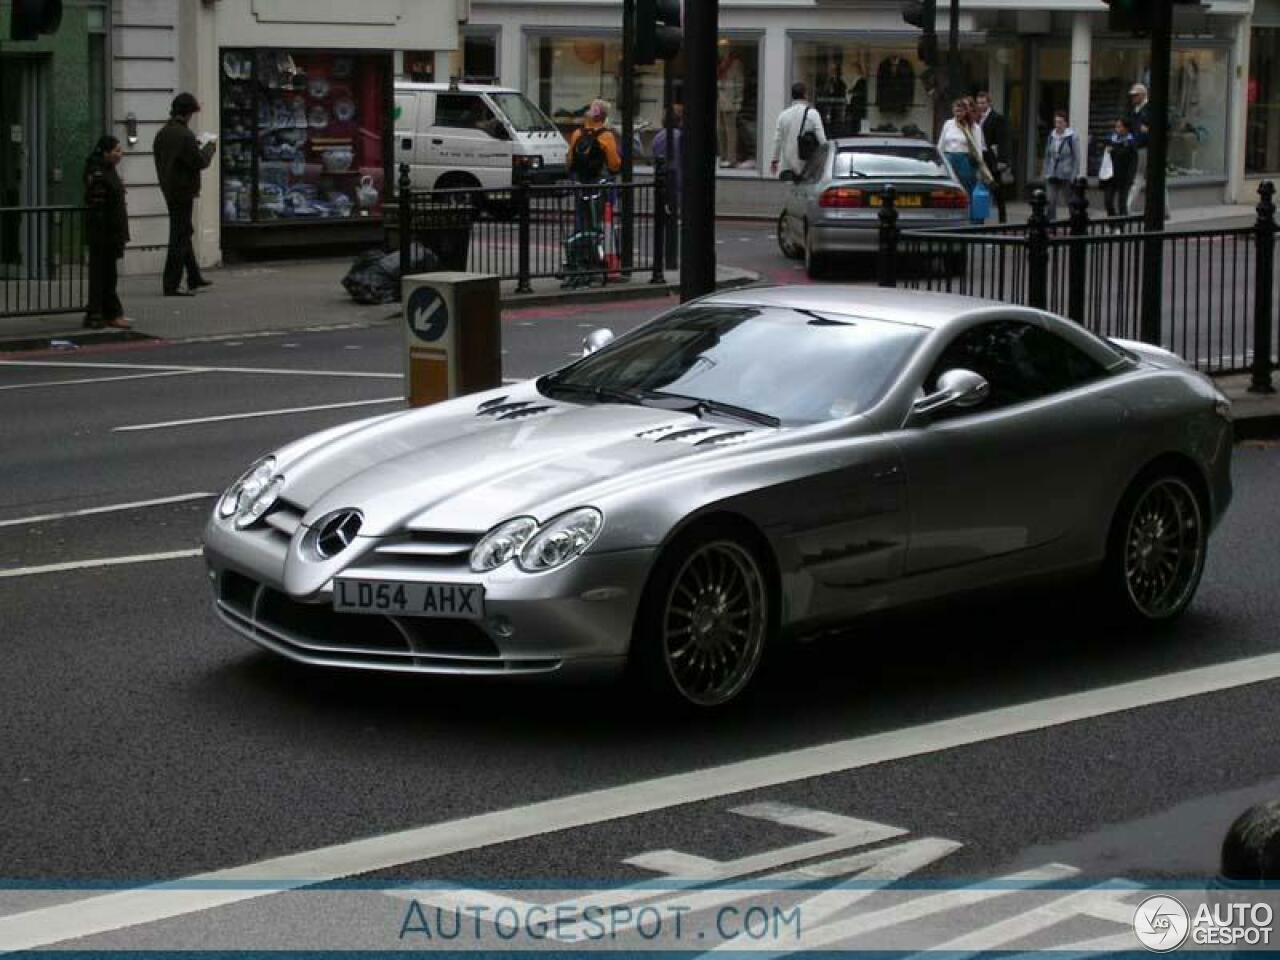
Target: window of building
(737, 103)
(420, 65)
(1199, 103)
(866, 87)
(1262, 129)
(480, 58)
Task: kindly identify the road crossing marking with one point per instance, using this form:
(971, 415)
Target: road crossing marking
(196, 368)
(113, 508)
(128, 908)
(288, 411)
(83, 380)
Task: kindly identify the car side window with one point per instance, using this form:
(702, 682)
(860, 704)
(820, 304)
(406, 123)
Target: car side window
(465, 111)
(1021, 361)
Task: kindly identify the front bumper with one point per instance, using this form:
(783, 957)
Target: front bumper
(577, 617)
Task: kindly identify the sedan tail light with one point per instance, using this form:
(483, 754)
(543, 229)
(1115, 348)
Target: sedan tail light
(843, 198)
(949, 200)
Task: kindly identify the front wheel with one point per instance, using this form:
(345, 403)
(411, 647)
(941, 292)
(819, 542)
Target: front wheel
(1156, 551)
(705, 621)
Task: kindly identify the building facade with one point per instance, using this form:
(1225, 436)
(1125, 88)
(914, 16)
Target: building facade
(298, 92)
(859, 60)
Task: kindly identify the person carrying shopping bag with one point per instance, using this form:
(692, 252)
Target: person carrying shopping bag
(1061, 164)
(1119, 164)
(962, 143)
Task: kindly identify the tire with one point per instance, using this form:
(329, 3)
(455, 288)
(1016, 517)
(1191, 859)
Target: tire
(705, 620)
(1156, 547)
(789, 249)
(461, 181)
(815, 264)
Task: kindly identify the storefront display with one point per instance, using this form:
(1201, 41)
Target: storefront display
(1262, 130)
(863, 88)
(1198, 92)
(303, 135)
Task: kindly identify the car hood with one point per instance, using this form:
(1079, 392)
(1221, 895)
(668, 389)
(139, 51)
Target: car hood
(474, 462)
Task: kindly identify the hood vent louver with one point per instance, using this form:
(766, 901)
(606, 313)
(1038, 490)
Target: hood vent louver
(700, 436)
(501, 409)
(732, 436)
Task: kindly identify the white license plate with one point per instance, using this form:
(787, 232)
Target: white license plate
(453, 600)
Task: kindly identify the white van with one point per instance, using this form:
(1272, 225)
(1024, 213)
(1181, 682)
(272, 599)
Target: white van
(464, 135)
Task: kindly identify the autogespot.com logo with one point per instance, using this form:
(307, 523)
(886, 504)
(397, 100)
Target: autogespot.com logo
(1161, 924)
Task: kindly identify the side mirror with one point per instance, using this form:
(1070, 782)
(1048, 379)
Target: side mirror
(957, 388)
(595, 340)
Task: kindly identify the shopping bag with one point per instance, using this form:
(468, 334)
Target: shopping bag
(1106, 170)
(980, 204)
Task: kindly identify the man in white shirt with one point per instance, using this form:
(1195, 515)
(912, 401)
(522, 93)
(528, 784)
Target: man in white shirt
(792, 122)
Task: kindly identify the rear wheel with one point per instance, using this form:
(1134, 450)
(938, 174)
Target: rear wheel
(815, 263)
(705, 620)
(1156, 550)
(785, 243)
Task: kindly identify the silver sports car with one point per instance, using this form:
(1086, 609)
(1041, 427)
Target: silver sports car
(746, 469)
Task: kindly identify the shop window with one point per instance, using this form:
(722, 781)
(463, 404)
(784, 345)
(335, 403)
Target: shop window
(737, 102)
(420, 65)
(1262, 131)
(1199, 98)
(302, 135)
(480, 58)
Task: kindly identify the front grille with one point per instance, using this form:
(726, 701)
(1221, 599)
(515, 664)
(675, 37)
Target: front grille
(428, 549)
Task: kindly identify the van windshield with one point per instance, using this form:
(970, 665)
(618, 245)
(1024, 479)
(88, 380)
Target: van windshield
(521, 113)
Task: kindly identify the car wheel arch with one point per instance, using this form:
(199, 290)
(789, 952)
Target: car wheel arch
(1185, 467)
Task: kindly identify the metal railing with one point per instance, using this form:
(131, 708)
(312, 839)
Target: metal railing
(1214, 303)
(577, 233)
(44, 261)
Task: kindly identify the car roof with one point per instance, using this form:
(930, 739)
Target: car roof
(848, 143)
(915, 307)
(412, 86)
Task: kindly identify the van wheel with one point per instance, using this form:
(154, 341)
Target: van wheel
(459, 181)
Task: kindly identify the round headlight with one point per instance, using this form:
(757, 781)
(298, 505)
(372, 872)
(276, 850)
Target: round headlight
(258, 486)
(502, 543)
(561, 540)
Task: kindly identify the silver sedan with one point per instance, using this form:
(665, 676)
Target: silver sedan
(833, 207)
(743, 471)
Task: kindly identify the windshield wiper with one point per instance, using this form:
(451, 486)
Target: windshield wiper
(700, 407)
(597, 393)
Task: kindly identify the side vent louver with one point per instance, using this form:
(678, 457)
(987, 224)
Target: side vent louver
(501, 409)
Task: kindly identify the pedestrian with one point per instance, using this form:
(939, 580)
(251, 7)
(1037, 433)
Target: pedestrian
(670, 158)
(1140, 117)
(1119, 163)
(593, 149)
(107, 232)
(179, 161)
(999, 155)
(1061, 164)
(962, 144)
(797, 136)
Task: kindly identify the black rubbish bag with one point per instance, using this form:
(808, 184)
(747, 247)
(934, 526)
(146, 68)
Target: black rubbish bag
(375, 276)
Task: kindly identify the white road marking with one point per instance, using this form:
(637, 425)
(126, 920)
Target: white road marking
(193, 368)
(91, 564)
(127, 908)
(68, 383)
(113, 508)
(250, 416)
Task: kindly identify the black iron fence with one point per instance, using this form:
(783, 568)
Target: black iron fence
(44, 261)
(1211, 296)
(578, 233)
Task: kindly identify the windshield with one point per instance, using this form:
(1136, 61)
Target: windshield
(523, 116)
(797, 366)
(900, 163)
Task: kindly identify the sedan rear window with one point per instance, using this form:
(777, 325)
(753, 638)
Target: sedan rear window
(899, 163)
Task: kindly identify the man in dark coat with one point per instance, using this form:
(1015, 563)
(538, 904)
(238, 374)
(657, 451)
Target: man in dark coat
(179, 161)
(999, 156)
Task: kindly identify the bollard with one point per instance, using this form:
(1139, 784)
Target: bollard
(888, 269)
(405, 210)
(1077, 262)
(1038, 252)
(453, 339)
(659, 224)
(1264, 237)
(523, 270)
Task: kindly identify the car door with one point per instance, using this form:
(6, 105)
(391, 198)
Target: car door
(467, 136)
(408, 147)
(1023, 469)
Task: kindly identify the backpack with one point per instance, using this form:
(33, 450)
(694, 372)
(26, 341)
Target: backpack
(588, 155)
(807, 142)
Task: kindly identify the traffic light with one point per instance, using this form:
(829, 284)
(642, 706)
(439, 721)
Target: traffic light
(924, 14)
(30, 18)
(658, 34)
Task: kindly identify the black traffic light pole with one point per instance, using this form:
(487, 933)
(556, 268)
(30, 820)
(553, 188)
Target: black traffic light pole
(628, 127)
(698, 253)
(953, 52)
(1157, 154)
